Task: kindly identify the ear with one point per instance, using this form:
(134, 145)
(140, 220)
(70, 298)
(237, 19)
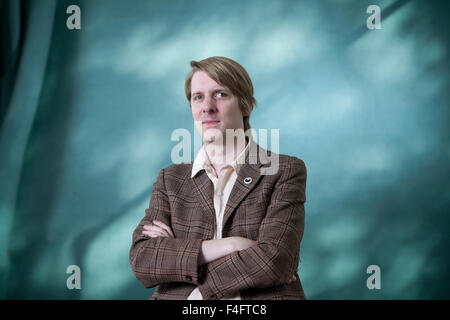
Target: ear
(245, 112)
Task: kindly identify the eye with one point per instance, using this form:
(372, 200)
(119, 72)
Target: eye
(197, 97)
(221, 94)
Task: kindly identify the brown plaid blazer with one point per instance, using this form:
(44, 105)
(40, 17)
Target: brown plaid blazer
(269, 210)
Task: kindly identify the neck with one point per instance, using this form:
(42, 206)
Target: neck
(224, 153)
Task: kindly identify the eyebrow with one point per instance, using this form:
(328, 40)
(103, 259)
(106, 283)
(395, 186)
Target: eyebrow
(214, 90)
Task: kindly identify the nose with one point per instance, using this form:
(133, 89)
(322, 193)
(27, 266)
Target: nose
(208, 105)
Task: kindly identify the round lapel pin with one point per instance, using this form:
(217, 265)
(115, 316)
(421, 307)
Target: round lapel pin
(248, 180)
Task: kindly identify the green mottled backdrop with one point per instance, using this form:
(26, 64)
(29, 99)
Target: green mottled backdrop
(86, 118)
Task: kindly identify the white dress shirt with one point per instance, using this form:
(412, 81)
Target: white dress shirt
(222, 189)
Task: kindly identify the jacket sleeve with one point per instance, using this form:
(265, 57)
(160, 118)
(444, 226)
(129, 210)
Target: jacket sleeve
(274, 259)
(159, 260)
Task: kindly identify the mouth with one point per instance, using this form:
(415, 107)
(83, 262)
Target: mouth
(210, 123)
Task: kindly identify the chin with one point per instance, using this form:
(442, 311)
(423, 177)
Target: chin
(212, 135)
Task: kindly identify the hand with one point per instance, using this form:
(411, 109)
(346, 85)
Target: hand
(241, 243)
(157, 229)
(292, 279)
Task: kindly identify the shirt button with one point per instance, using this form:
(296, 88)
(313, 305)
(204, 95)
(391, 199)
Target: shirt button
(213, 297)
(188, 278)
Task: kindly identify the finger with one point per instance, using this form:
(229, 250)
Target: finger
(164, 226)
(157, 229)
(157, 234)
(292, 279)
(160, 232)
(147, 226)
(151, 227)
(154, 234)
(149, 234)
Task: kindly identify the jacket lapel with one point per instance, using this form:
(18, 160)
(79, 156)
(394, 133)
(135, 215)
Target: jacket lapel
(250, 171)
(203, 189)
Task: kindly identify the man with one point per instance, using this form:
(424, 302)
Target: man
(225, 226)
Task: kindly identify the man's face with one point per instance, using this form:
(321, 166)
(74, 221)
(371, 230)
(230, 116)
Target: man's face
(214, 107)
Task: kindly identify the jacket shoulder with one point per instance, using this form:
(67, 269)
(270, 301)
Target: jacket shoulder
(287, 160)
(284, 159)
(178, 170)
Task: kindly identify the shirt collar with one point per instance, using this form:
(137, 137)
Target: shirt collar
(202, 161)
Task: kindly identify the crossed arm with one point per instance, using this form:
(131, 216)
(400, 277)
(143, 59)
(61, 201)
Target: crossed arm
(210, 249)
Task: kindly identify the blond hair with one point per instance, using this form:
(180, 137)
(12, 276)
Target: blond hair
(230, 74)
